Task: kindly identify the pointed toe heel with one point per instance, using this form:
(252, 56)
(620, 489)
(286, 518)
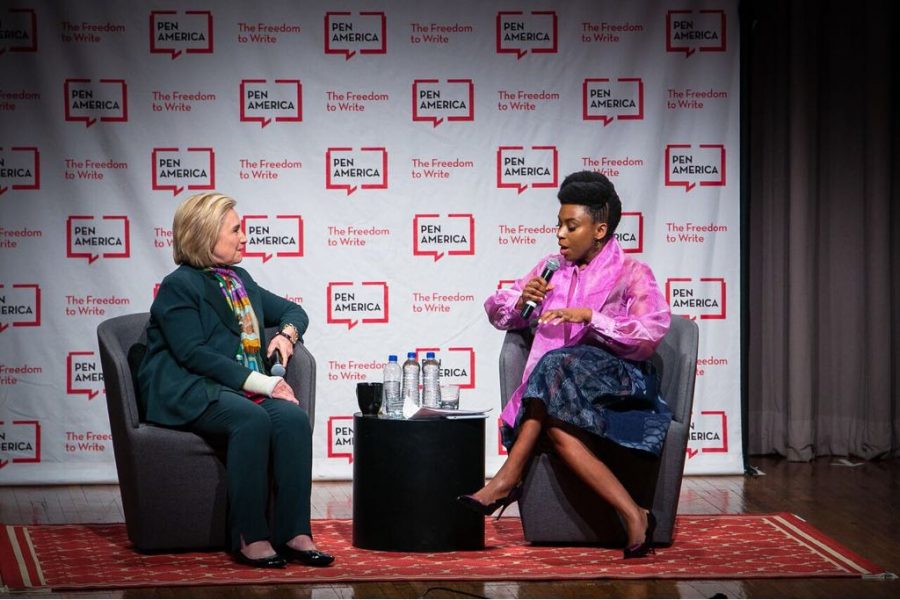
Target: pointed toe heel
(645, 547)
(471, 503)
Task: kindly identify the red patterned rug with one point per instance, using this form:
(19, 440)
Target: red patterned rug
(67, 557)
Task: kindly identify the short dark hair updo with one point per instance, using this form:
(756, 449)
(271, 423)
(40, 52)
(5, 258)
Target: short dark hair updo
(597, 194)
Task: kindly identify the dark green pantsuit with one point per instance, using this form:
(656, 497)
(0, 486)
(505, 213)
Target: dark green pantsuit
(274, 429)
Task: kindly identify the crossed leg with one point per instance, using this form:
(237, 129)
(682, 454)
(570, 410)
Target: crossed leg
(593, 472)
(511, 472)
(577, 456)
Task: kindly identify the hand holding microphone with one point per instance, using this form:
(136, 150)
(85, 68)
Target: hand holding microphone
(282, 389)
(280, 350)
(278, 366)
(550, 268)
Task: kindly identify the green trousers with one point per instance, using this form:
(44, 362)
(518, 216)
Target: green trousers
(273, 432)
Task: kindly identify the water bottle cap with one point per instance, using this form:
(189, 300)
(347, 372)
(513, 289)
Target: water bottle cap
(392, 358)
(410, 355)
(429, 355)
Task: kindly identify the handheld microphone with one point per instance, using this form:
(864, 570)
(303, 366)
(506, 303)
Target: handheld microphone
(278, 368)
(550, 267)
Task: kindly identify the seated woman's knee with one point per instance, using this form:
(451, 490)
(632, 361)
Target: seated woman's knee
(255, 418)
(290, 417)
(298, 420)
(554, 434)
(560, 433)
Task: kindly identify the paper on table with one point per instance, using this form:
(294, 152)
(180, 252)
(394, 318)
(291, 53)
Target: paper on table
(424, 412)
(409, 407)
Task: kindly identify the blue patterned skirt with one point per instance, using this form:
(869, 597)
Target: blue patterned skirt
(610, 397)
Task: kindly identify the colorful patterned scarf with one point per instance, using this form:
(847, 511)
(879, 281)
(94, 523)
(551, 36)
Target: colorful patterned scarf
(236, 295)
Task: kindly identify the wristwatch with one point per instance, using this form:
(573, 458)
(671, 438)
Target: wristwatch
(292, 337)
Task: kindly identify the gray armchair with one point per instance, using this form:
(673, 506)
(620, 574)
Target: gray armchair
(556, 507)
(172, 482)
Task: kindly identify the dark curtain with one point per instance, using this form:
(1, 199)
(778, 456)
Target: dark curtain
(824, 237)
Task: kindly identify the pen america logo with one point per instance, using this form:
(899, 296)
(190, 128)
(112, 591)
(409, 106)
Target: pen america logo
(520, 168)
(176, 170)
(18, 30)
(349, 34)
(20, 168)
(190, 32)
(688, 166)
(84, 375)
(709, 433)
(605, 100)
(703, 298)
(453, 235)
(20, 442)
(104, 100)
(691, 31)
(519, 33)
(505, 284)
(349, 169)
(263, 102)
(457, 364)
(20, 305)
(90, 238)
(630, 232)
(435, 102)
(279, 236)
(352, 303)
(340, 437)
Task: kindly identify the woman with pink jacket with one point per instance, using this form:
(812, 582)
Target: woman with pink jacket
(588, 372)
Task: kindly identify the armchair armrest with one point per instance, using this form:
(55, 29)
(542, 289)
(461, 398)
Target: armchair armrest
(513, 355)
(300, 374)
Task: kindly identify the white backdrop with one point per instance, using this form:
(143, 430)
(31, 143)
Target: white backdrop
(394, 163)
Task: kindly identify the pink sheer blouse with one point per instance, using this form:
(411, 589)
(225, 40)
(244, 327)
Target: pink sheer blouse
(630, 313)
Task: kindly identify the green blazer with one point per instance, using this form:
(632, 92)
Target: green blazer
(192, 341)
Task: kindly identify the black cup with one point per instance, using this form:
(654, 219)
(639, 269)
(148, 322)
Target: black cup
(368, 395)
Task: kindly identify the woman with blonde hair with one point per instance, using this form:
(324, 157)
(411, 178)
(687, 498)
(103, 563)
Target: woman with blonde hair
(206, 371)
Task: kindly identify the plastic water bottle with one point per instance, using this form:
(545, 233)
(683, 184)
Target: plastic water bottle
(431, 381)
(411, 379)
(393, 401)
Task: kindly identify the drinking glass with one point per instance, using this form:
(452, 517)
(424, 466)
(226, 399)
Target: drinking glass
(368, 395)
(450, 396)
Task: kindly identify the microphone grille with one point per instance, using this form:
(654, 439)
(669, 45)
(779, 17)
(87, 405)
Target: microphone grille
(278, 370)
(552, 264)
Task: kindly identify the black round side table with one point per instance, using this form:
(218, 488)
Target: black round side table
(406, 477)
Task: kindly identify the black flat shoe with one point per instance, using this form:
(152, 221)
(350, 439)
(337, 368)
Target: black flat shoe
(312, 558)
(275, 561)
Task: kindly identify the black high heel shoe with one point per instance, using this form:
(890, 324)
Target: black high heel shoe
(645, 547)
(471, 503)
